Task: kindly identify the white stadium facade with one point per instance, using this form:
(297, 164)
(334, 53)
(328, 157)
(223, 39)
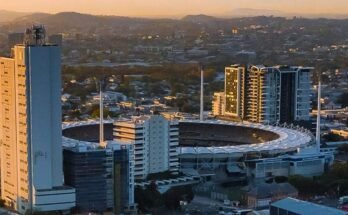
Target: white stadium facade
(223, 150)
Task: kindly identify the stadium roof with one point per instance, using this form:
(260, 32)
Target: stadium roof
(303, 208)
(290, 138)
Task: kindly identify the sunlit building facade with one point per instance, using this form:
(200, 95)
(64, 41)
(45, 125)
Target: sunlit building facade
(279, 94)
(268, 94)
(263, 95)
(235, 90)
(218, 104)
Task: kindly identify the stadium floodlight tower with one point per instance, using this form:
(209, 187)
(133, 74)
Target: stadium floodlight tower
(317, 135)
(102, 142)
(201, 117)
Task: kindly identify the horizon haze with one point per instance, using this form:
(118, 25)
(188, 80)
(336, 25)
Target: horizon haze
(164, 8)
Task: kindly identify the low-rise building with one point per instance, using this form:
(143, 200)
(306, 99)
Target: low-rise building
(263, 194)
(307, 165)
(110, 97)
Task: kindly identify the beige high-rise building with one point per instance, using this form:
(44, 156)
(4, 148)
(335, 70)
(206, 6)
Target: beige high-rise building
(14, 150)
(218, 104)
(30, 128)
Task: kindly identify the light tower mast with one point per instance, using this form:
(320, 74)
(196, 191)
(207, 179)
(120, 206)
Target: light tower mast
(201, 118)
(102, 142)
(317, 135)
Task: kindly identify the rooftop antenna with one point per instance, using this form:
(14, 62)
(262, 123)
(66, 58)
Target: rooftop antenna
(36, 35)
(202, 94)
(317, 135)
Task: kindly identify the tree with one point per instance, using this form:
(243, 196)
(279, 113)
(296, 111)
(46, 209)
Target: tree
(343, 148)
(307, 186)
(280, 179)
(2, 203)
(333, 137)
(148, 199)
(343, 100)
(173, 196)
(336, 177)
(96, 112)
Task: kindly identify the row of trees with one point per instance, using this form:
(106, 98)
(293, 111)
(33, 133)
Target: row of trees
(151, 200)
(334, 182)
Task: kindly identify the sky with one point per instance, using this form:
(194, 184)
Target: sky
(170, 8)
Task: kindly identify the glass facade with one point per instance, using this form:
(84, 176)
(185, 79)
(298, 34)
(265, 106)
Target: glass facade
(288, 97)
(99, 177)
(86, 172)
(121, 179)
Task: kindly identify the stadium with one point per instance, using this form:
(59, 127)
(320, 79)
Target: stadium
(211, 146)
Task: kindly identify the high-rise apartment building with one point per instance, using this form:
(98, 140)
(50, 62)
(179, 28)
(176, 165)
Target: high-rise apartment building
(30, 128)
(268, 94)
(218, 104)
(155, 140)
(263, 94)
(235, 90)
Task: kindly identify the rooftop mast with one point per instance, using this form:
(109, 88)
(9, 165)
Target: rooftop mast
(36, 35)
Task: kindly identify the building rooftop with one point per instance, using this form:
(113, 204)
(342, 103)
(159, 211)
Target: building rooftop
(268, 190)
(303, 207)
(285, 68)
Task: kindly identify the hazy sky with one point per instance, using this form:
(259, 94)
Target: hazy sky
(172, 7)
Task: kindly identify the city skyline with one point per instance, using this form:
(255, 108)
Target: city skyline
(186, 107)
(162, 8)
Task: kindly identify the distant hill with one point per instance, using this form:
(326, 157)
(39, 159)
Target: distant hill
(72, 20)
(96, 24)
(199, 18)
(7, 16)
(250, 12)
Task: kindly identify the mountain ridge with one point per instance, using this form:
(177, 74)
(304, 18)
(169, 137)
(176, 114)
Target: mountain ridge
(6, 15)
